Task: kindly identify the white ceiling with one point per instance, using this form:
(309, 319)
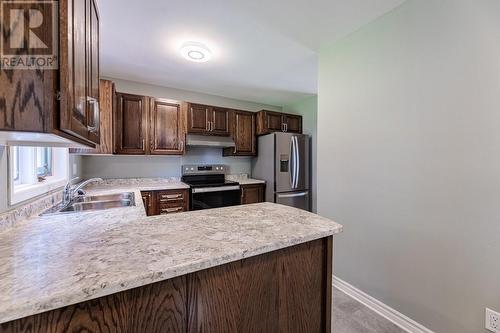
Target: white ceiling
(264, 51)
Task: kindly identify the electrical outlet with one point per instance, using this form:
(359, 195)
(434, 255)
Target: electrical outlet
(492, 321)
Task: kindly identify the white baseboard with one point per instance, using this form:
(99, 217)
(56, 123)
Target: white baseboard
(399, 319)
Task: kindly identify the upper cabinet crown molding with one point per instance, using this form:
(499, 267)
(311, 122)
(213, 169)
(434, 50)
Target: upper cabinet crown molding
(64, 102)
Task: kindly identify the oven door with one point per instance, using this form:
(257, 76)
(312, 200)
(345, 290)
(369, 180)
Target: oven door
(214, 197)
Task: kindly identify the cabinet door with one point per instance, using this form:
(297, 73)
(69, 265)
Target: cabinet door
(73, 108)
(243, 133)
(147, 199)
(293, 123)
(219, 121)
(251, 194)
(106, 98)
(93, 107)
(167, 130)
(198, 117)
(130, 123)
(269, 121)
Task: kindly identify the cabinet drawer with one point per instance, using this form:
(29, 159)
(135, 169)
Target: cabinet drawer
(172, 201)
(171, 196)
(170, 209)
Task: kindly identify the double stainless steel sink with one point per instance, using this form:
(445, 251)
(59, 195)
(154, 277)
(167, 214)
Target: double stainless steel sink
(94, 202)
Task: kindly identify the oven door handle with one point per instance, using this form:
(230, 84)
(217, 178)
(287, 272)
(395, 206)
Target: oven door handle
(215, 189)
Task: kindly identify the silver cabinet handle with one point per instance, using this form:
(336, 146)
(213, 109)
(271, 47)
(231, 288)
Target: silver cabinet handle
(286, 127)
(142, 146)
(95, 107)
(171, 210)
(215, 189)
(208, 126)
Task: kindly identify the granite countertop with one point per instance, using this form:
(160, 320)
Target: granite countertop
(54, 261)
(244, 179)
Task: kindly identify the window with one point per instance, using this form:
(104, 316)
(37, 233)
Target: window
(43, 161)
(34, 171)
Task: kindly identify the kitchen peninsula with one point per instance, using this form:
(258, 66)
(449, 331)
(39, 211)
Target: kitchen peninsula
(260, 267)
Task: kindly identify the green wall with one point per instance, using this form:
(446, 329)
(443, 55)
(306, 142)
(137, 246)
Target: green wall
(308, 109)
(409, 159)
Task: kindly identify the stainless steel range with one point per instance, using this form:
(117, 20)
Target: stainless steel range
(209, 188)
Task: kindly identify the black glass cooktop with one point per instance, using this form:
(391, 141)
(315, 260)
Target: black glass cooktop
(196, 181)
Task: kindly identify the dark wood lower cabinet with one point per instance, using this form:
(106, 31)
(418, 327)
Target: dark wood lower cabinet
(288, 290)
(253, 193)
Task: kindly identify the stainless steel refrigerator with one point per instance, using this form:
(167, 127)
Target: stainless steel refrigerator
(283, 162)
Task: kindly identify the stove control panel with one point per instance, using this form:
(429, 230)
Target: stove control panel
(204, 169)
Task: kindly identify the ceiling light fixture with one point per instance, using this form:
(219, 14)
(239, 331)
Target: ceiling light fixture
(194, 51)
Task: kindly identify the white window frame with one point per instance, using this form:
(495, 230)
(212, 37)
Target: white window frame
(27, 186)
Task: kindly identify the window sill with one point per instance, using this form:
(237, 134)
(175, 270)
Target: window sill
(22, 193)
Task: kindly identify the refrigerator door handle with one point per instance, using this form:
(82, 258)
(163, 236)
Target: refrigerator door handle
(294, 165)
(297, 162)
(294, 195)
(291, 163)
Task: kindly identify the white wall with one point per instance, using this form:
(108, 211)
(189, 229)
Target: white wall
(308, 109)
(409, 159)
(189, 96)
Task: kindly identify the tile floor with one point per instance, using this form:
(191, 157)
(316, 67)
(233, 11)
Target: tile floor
(350, 316)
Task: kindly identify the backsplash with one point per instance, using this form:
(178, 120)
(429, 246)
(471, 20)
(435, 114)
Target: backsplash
(159, 166)
(25, 211)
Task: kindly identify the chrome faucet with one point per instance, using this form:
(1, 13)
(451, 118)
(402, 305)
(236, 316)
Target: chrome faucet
(69, 192)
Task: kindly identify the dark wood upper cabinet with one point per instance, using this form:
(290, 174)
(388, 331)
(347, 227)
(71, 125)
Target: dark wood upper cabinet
(243, 133)
(208, 120)
(167, 133)
(106, 102)
(271, 121)
(219, 118)
(131, 124)
(62, 101)
(79, 91)
(198, 118)
(293, 123)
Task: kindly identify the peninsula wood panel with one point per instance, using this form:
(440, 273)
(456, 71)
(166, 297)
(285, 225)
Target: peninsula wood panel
(288, 290)
(281, 291)
(237, 297)
(154, 308)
